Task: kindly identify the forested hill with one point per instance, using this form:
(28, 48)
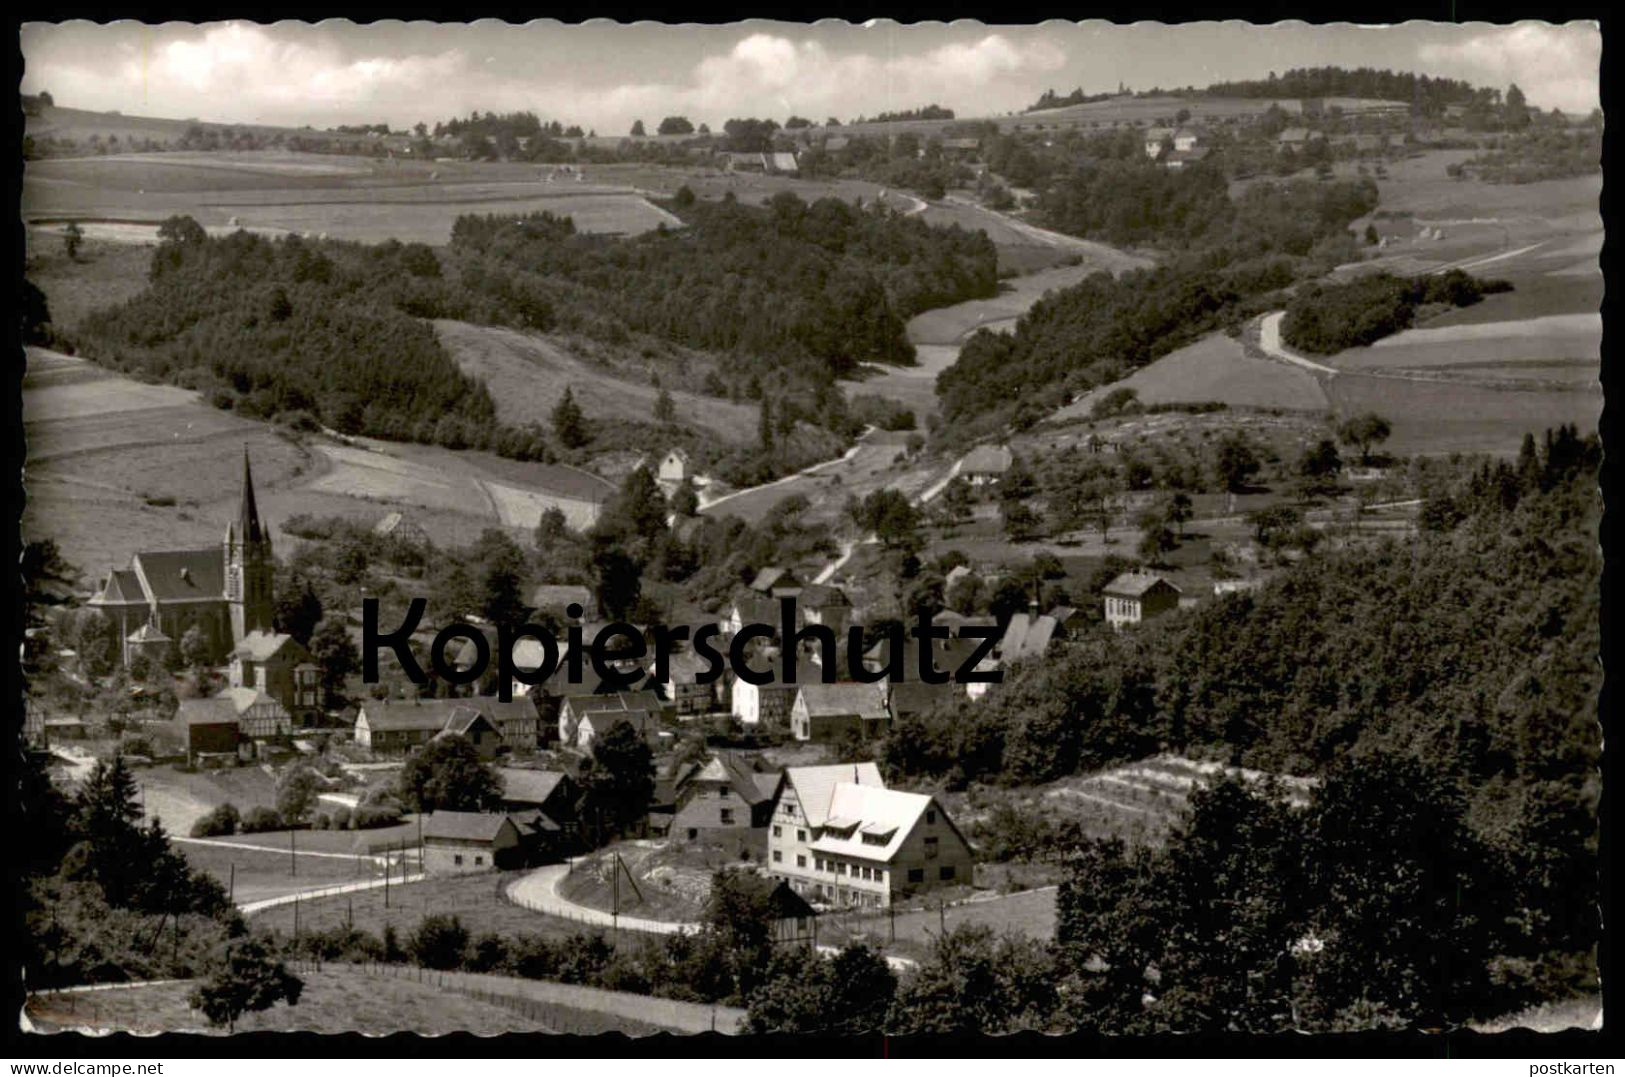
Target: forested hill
(817, 289)
(1226, 254)
(1426, 94)
(1474, 647)
(790, 296)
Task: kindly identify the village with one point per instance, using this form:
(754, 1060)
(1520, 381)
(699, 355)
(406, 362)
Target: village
(921, 574)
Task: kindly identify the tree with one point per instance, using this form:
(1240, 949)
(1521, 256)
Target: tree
(72, 237)
(674, 125)
(297, 610)
(976, 984)
(182, 230)
(1320, 463)
(46, 575)
(1235, 463)
(893, 519)
(1179, 512)
(1009, 598)
(296, 793)
(665, 409)
(447, 774)
(569, 425)
(195, 649)
(802, 991)
(1515, 111)
(335, 652)
(617, 580)
(1364, 430)
(637, 129)
(617, 779)
(1155, 542)
(685, 500)
(1021, 523)
(35, 313)
(440, 941)
(247, 978)
(502, 577)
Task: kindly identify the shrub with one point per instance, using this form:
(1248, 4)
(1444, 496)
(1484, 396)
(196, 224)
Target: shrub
(340, 819)
(222, 820)
(440, 942)
(260, 819)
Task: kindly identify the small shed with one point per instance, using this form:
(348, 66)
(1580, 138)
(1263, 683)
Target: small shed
(465, 842)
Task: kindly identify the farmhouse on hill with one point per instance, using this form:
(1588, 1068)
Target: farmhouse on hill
(223, 591)
(1137, 596)
(837, 835)
(986, 464)
(722, 801)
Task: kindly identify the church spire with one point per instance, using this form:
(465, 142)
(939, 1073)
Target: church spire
(248, 514)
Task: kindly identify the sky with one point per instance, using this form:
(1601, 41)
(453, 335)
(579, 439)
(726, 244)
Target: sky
(604, 75)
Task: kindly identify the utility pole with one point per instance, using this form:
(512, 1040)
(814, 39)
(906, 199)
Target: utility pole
(293, 854)
(231, 893)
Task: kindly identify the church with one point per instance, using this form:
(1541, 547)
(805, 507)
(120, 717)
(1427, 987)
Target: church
(224, 591)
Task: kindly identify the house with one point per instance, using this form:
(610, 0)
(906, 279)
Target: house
(821, 604)
(828, 712)
(960, 149)
(947, 656)
(224, 592)
(784, 163)
(1183, 158)
(1069, 621)
(838, 836)
(1155, 137)
(280, 665)
(398, 726)
(397, 527)
(207, 728)
(674, 470)
(1296, 138)
(556, 598)
(260, 715)
(595, 725)
(721, 802)
(465, 721)
(1026, 636)
(749, 608)
(776, 582)
(464, 842)
(1185, 140)
(518, 722)
(575, 708)
(1137, 596)
(768, 706)
(986, 465)
(552, 792)
(682, 688)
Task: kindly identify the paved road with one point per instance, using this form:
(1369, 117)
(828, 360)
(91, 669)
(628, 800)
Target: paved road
(1269, 339)
(539, 890)
(251, 907)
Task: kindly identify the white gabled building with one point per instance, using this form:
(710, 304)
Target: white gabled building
(838, 836)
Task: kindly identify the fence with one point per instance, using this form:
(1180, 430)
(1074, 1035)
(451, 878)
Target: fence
(567, 1008)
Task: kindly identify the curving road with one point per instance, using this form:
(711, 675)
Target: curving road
(1269, 339)
(539, 890)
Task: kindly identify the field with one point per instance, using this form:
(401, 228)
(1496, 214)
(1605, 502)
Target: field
(1217, 367)
(333, 1000)
(911, 933)
(342, 197)
(116, 466)
(258, 874)
(528, 374)
(878, 459)
(1439, 417)
(477, 900)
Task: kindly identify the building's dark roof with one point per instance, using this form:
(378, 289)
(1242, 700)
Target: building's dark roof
(917, 697)
(122, 586)
(834, 700)
(212, 710)
(1135, 584)
(947, 656)
(462, 720)
(178, 575)
(464, 825)
(397, 716)
(773, 576)
(524, 786)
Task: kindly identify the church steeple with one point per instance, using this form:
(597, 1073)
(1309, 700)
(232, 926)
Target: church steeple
(248, 564)
(248, 513)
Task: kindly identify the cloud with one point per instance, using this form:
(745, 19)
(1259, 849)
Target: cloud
(1555, 66)
(771, 75)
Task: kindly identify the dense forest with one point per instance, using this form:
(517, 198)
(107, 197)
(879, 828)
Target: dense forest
(1233, 252)
(1323, 319)
(1427, 95)
(789, 295)
(815, 290)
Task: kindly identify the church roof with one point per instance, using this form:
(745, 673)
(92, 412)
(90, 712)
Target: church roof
(260, 646)
(122, 586)
(181, 575)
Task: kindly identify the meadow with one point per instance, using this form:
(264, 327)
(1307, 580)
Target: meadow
(335, 999)
(116, 466)
(258, 874)
(1447, 416)
(528, 375)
